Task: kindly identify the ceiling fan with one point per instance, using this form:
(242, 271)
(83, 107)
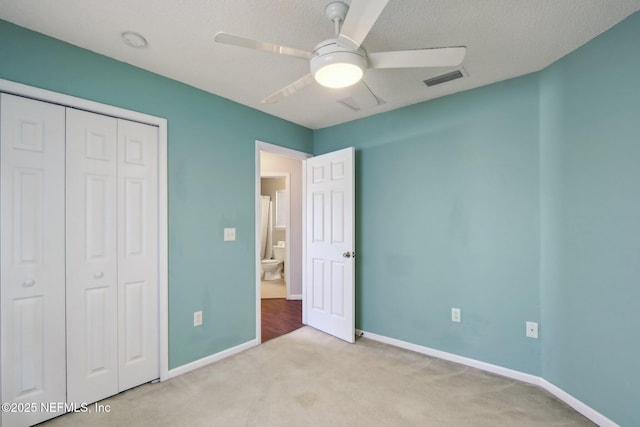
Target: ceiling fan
(341, 62)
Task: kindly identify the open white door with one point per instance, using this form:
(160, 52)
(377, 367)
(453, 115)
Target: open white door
(330, 273)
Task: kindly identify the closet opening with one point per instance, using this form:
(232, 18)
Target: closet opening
(84, 249)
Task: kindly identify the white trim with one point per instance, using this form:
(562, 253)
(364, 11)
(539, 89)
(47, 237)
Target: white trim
(19, 89)
(210, 359)
(282, 151)
(256, 226)
(294, 297)
(304, 242)
(576, 404)
(163, 247)
(495, 369)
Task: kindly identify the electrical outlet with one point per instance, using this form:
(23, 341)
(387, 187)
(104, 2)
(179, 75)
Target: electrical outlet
(532, 330)
(197, 318)
(455, 315)
(229, 234)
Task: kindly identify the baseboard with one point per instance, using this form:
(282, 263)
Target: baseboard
(488, 367)
(294, 297)
(576, 404)
(210, 359)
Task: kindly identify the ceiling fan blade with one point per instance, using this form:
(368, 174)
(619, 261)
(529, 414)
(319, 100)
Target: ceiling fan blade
(418, 58)
(233, 40)
(360, 18)
(360, 97)
(288, 90)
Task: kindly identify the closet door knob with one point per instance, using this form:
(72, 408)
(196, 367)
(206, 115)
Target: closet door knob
(28, 283)
(98, 274)
(347, 254)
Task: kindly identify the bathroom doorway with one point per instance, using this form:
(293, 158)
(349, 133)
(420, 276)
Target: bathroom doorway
(274, 228)
(279, 240)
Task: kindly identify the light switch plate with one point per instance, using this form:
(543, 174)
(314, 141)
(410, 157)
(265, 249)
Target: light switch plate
(229, 234)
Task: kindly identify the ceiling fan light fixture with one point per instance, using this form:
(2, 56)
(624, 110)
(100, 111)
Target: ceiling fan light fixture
(338, 69)
(338, 75)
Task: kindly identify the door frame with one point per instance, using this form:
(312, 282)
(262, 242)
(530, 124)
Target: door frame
(26, 91)
(295, 154)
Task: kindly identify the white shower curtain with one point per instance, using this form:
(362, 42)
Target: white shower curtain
(266, 244)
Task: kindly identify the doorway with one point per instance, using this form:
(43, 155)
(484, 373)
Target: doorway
(279, 189)
(275, 229)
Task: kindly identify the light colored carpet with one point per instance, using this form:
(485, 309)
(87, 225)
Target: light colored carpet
(273, 289)
(307, 378)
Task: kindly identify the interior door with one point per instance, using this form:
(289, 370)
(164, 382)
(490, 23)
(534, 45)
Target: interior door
(32, 257)
(92, 340)
(137, 254)
(330, 281)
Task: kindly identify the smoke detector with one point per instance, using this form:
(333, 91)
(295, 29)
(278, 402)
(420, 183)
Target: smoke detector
(134, 40)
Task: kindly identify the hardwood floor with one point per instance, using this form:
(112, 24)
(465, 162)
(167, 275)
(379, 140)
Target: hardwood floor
(280, 317)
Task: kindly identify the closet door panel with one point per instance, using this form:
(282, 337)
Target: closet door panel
(137, 253)
(32, 277)
(91, 256)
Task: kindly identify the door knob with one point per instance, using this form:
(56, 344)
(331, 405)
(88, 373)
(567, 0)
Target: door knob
(98, 274)
(349, 254)
(28, 283)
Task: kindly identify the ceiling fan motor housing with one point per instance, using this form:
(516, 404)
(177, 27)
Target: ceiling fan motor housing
(329, 55)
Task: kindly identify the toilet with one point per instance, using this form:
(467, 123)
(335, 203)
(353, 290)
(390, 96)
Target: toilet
(272, 269)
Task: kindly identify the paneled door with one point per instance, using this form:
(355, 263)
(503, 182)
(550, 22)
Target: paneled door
(137, 254)
(91, 256)
(79, 226)
(112, 255)
(32, 227)
(330, 281)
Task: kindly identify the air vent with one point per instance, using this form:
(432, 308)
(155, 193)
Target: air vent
(350, 103)
(443, 78)
(361, 99)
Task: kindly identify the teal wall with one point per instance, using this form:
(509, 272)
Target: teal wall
(516, 201)
(211, 162)
(447, 216)
(590, 152)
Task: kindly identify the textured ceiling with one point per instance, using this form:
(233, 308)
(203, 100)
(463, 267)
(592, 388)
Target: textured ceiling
(504, 39)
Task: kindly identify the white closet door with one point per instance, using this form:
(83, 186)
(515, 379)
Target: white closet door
(32, 256)
(137, 253)
(92, 282)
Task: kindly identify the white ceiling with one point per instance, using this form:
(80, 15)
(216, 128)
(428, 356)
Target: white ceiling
(504, 39)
